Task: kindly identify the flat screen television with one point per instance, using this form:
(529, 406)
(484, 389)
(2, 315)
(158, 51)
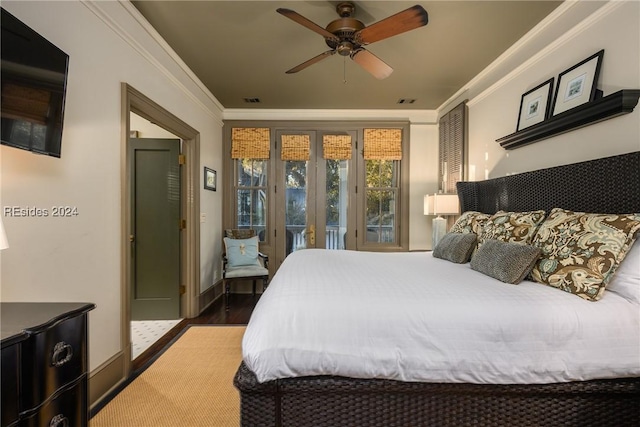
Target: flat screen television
(34, 81)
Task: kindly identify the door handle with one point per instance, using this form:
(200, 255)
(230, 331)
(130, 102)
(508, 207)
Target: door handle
(312, 235)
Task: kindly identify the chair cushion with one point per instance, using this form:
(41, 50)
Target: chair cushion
(245, 271)
(242, 252)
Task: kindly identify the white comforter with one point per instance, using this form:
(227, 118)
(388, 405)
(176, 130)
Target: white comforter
(412, 317)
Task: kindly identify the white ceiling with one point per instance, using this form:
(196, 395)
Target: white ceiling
(241, 49)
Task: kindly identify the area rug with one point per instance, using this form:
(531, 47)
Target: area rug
(190, 384)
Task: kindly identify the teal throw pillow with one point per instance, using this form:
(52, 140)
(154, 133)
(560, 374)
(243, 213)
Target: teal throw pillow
(241, 252)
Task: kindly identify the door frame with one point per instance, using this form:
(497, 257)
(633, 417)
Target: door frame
(134, 101)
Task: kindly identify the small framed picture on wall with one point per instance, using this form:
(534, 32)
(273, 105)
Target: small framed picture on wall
(534, 105)
(210, 179)
(578, 84)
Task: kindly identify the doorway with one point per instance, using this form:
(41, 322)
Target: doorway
(316, 209)
(188, 207)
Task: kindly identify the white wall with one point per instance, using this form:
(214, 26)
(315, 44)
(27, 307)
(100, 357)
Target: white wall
(78, 258)
(493, 113)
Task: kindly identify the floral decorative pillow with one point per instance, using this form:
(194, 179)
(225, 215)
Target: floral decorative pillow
(470, 222)
(514, 227)
(581, 251)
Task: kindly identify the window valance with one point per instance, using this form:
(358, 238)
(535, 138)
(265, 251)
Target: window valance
(250, 143)
(383, 144)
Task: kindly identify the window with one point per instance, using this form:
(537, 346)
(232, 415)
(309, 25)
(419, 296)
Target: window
(250, 148)
(452, 148)
(382, 156)
(251, 195)
(381, 195)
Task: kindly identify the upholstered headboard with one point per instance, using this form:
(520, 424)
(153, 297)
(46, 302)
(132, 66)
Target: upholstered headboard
(608, 185)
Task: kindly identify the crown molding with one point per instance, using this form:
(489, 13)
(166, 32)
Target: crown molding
(214, 110)
(415, 117)
(559, 12)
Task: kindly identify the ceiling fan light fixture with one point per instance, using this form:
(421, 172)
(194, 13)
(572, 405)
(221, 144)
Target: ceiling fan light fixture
(345, 48)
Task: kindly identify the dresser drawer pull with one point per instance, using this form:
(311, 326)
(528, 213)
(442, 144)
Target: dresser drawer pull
(59, 421)
(62, 353)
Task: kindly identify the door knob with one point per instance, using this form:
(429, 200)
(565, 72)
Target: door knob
(312, 235)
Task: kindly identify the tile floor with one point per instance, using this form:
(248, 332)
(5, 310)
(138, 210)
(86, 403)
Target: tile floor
(145, 332)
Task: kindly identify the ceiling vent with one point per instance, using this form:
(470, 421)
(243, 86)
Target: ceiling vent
(406, 101)
(252, 100)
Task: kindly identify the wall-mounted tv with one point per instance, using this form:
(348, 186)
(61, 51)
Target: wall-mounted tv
(34, 80)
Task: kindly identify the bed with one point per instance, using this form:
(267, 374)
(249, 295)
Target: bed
(523, 383)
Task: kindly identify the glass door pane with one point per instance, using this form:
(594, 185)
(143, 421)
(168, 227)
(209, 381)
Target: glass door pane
(296, 196)
(381, 199)
(335, 152)
(337, 201)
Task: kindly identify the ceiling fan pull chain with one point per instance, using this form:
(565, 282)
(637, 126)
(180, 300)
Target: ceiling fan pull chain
(344, 70)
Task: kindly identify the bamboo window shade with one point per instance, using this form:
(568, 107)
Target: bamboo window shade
(250, 143)
(295, 147)
(336, 147)
(383, 144)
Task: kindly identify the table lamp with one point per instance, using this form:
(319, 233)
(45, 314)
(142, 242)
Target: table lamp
(440, 205)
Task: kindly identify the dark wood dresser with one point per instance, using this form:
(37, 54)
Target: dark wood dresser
(44, 364)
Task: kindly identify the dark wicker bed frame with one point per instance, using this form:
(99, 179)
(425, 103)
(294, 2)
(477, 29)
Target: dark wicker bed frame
(608, 185)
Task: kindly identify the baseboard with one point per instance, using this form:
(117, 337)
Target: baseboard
(105, 379)
(207, 298)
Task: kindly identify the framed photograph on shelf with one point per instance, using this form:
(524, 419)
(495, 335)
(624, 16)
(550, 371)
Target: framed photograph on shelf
(210, 179)
(534, 105)
(577, 85)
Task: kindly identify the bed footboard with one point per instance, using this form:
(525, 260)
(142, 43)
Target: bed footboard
(337, 401)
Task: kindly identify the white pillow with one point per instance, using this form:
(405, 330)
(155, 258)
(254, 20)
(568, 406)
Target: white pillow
(626, 280)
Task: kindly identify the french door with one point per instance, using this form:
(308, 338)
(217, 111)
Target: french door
(314, 191)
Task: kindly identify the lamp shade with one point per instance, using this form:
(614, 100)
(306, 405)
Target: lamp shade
(441, 204)
(4, 243)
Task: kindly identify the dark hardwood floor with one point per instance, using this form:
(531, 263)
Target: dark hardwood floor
(240, 309)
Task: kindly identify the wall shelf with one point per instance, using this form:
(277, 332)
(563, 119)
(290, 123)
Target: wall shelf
(608, 107)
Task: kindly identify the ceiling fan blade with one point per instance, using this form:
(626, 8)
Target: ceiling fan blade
(311, 61)
(410, 19)
(374, 65)
(295, 16)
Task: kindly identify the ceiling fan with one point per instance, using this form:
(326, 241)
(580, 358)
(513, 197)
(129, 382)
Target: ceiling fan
(348, 36)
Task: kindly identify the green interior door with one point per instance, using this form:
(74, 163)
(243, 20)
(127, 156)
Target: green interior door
(155, 228)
